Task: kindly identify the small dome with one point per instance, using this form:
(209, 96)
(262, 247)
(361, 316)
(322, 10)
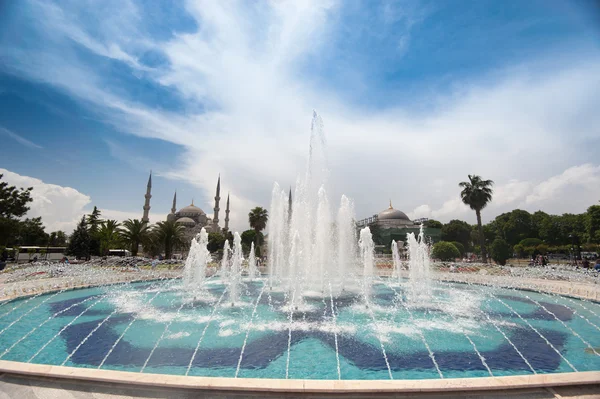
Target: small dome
(185, 221)
(392, 213)
(191, 210)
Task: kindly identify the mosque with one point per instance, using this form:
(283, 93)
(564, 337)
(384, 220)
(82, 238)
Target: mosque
(191, 217)
(393, 225)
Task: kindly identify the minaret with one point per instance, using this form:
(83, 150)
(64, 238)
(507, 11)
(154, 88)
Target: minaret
(290, 205)
(145, 218)
(227, 215)
(174, 208)
(217, 199)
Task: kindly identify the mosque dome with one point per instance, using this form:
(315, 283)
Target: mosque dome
(191, 210)
(392, 214)
(185, 221)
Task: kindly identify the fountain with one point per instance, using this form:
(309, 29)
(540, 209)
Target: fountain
(397, 263)
(419, 268)
(323, 311)
(252, 268)
(194, 270)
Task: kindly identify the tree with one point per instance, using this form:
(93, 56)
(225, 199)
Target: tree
(216, 241)
(433, 224)
(530, 242)
(57, 239)
(31, 232)
(134, 234)
(519, 250)
(168, 234)
(94, 221)
(79, 243)
(30, 253)
(248, 237)
(445, 251)
(477, 193)
(592, 223)
(501, 251)
(13, 201)
(460, 247)
(515, 226)
(258, 218)
(109, 235)
(457, 230)
(13, 205)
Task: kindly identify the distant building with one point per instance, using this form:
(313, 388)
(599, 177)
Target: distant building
(393, 225)
(191, 217)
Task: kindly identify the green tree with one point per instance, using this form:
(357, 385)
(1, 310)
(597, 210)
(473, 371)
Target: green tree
(519, 250)
(30, 253)
(531, 242)
(445, 251)
(518, 226)
(13, 206)
(134, 234)
(477, 193)
(501, 251)
(79, 243)
(31, 232)
(169, 234)
(460, 247)
(592, 223)
(109, 235)
(57, 239)
(457, 230)
(94, 222)
(433, 224)
(258, 218)
(215, 242)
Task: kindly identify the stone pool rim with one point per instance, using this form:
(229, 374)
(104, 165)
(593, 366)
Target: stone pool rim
(166, 381)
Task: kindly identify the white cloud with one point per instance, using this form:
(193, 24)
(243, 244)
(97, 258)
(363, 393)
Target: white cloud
(60, 207)
(518, 126)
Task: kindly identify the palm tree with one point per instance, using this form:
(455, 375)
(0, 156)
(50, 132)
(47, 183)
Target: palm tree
(477, 193)
(109, 235)
(258, 221)
(135, 232)
(168, 234)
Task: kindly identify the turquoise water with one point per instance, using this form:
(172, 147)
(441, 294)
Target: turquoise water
(159, 327)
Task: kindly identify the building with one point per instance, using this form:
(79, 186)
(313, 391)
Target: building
(191, 217)
(393, 224)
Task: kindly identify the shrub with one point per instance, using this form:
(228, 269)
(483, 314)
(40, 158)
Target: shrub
(445, 251)
(519, 250)
(460, 247)
(501, 251)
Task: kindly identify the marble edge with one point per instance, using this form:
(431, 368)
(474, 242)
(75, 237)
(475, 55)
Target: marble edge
(310, 386)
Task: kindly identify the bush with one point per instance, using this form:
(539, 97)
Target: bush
(445, 251)
(519, 250)
(531, 242)
(460, 247)
(501, 251)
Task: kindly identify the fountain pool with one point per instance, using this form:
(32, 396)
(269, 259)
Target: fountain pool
(323, 311)
(160, 327)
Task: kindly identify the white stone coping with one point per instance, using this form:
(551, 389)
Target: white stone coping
(306, 386)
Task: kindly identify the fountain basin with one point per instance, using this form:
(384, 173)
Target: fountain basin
(164, 328)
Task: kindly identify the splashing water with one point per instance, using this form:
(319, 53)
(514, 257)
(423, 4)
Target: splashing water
(252, 268)
(194, 271)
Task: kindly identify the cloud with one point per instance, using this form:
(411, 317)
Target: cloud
(247, 100)
(19, 139)
(60, 207)
(571, 191)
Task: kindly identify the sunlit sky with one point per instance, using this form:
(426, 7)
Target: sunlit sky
(414, 95)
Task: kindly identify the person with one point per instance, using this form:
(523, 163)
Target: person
(154, 263)
(585, 263)
(597, 266)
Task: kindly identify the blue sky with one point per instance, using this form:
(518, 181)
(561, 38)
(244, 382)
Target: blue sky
(415, 95)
